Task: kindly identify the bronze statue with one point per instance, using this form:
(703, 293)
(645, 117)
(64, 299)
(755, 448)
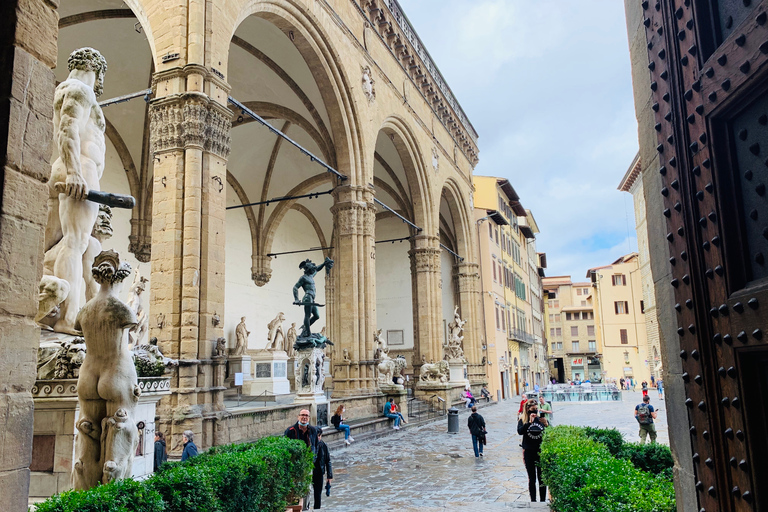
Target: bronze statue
(311, 313)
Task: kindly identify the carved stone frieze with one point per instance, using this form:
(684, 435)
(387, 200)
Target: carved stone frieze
(165, 127)
(180, 122)
(354, 218)
(425, 259)
(194, 124)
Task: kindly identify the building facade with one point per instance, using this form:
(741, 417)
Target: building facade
(511, 286)
(620, 319)
(634, 185)
(227, 207)
(573, 339)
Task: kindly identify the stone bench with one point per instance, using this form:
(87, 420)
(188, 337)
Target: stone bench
(358, 427)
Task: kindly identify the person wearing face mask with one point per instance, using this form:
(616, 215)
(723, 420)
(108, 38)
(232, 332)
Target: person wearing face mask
(531, 427)
(303, 431)
(337, 420)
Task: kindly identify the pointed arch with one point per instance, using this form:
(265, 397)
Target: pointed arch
(461, 214)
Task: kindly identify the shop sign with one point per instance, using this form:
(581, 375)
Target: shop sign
(577, 361)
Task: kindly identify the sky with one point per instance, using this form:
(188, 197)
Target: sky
(547, 85)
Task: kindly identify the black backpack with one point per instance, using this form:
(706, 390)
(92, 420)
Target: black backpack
(644, 414)
(336, 420)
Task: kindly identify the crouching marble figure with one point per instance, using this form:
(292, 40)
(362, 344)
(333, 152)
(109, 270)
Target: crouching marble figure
(107, 388)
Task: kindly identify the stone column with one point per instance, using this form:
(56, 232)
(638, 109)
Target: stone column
(468, 277)
(28, 32)
(354, 316)
(190, 142)
(427, 299)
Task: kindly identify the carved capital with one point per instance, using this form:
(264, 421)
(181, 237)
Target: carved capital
(190, 120)
(165, 130)
(354, 218)
(425, 259)
(261, 269)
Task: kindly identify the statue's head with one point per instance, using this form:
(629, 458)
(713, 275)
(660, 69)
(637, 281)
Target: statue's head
(308, 267)
(107, 268)
(102, 229)
(89, 59)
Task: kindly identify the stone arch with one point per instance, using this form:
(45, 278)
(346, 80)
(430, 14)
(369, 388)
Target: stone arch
(461, 213)
(323, 60)
(417, 177)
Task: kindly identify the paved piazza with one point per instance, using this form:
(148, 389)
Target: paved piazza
(425, 469)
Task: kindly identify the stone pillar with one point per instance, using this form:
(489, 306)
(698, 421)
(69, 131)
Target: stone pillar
(190, 142)
(28, 33)
(468, 277)
(354, 300)
(427, 300)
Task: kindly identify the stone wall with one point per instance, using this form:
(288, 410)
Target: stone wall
(679, 437)
(28, 30)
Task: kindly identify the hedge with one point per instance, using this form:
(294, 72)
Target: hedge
(654, 458)
(258, 477)
(583, 475)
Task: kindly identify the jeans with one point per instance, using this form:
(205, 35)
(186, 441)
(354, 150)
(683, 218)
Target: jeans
(345, 428)
(394, 417)
(475, 444)
(531, 459)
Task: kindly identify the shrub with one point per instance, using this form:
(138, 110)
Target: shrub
(583, 475)
(119, 496)
(610, 437)
(653, 458)
(259, 477)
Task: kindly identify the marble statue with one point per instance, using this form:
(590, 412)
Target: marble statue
(452, 346)
(52, 292)
(241, 333)
(148, 355)
(138, 333)
(390, 370)
(435, 373)
(382, 350)
(345, 355)
(275, 335)
(311, 312)
(310, 378)
(107, 388)
(290, 339)
(221, 347)
(63, 362)
(78, 126)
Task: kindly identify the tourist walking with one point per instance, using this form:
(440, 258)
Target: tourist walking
(645, 388)
(645, 414)
(531, 427)
(161, 452)
(660, 388)
(322, 469)
(337, 420)
(303, 431)
(476, 425)
(545, 410)
(190, 449)
(392, 415)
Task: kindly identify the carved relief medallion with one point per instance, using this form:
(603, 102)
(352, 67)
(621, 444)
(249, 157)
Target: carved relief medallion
(368, 83)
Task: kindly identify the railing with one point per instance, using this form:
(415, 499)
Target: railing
(593, 393)
(432, 407)
(521, 335)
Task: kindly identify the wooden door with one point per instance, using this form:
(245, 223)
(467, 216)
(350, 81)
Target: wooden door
(709, 76)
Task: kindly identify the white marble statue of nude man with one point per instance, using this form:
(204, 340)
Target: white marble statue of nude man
(78, 127)
(107, 388)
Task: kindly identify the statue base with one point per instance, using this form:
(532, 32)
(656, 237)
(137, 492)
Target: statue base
(270, 374)
(310, 381)
(239, 364)
(458, 372)
(449, 392)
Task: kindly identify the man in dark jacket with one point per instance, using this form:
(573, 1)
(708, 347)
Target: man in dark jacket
(322, 468)
(476, 425)
(303, 431)
(190, 449)
(161, 455)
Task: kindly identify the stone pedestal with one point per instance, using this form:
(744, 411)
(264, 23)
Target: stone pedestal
(448, 391)
(270, 374)
(399, 394)
(239, 364)
(292, 365)
(57, 410)
(457, 372)
(310, 381)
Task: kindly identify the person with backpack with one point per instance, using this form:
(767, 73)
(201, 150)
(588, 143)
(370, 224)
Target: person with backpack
(645, 414)
(337, 420)
(531, 427)
(476, 425)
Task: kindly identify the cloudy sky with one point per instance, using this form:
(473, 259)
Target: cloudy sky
(547, 86)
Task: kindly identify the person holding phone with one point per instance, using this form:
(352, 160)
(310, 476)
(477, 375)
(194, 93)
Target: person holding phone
(531, 427)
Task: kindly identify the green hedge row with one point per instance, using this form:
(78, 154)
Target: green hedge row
(259, 477)
(582, 474)
(654, 458)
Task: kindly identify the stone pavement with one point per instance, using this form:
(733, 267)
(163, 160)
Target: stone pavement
(618, 415)
(425, 469)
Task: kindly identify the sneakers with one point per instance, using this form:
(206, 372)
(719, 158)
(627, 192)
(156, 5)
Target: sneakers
(346, 441)
(481, 454)
(351, 439)
(396, 428)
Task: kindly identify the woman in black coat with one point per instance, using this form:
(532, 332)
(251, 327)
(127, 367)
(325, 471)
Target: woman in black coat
(476, 425)
(322, 469)
(161, 453)
(531, 427)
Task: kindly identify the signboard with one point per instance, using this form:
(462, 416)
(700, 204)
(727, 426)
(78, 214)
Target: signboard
(577, 361)
(238, 379)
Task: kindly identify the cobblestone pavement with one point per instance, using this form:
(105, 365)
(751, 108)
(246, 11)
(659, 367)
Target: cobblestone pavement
(426, 469)
(618, 415)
